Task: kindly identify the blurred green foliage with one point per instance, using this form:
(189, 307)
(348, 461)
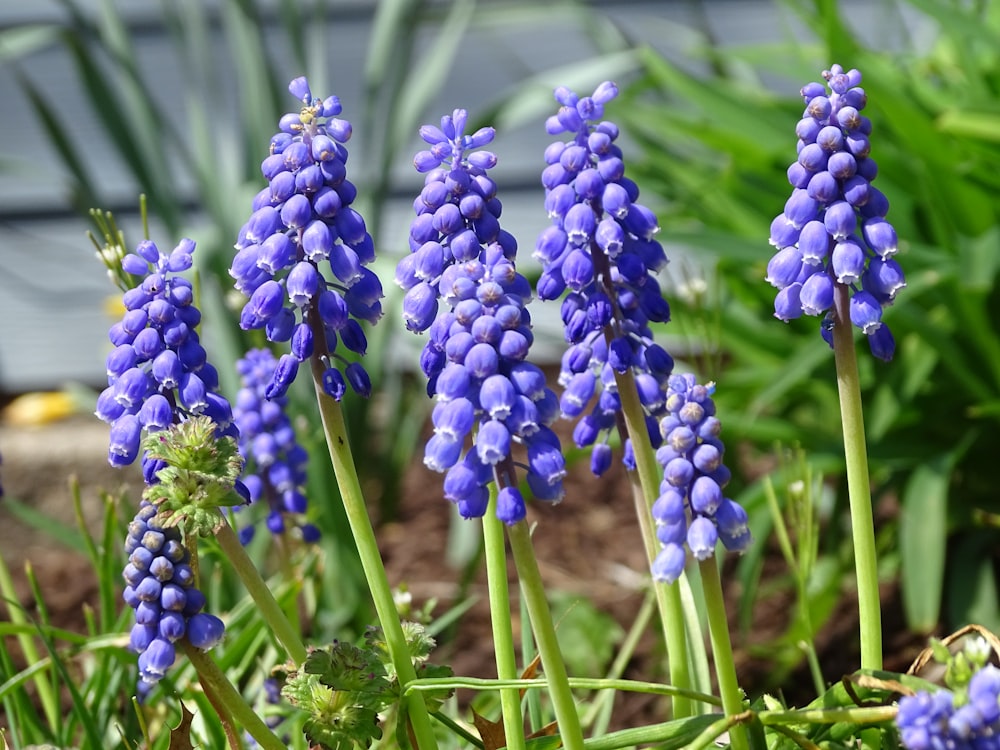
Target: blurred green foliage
(715, 145)
(714, 137)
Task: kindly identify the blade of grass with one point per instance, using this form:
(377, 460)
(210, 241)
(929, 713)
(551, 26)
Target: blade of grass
(57, 531)
(21, 716)
(17, 615)
(109, 564)
(20, 41)
(83, 189)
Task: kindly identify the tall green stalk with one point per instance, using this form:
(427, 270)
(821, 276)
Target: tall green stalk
(271, 611)
(503, 634)
(46, 695)
(545, 636)
(645, 489)
(722, 650)
(371, 560)
(858, 488)
(217, 684)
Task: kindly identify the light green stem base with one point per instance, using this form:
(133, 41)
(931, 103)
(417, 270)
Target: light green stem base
(545, 635)
(46, 695)
(275, 617)
(722, 650)
(645, 489)
(371, 559)
(858, 488)
(215, 681)
(503, 635)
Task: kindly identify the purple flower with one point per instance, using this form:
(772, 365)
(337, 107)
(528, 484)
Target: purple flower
(463, 288)
(943, 719)
(159, 586)
(833, 228)
(275, 468)
(692, 513)
(302, 254)
(599, 255)
(158, 373)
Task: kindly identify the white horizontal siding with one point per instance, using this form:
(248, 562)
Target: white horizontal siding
(51, 288)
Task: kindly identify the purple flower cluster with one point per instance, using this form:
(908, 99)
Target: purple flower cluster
(160, 587)
(157, 372)
(600, 251)
(692, 511)
(275, 468)
(833, 228)
(475, 358)
(303, 227)
(931, 721)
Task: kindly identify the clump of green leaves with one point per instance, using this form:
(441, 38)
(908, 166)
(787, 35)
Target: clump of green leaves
(420, 645)
(961, 665)
(199, 477)
(344, 687)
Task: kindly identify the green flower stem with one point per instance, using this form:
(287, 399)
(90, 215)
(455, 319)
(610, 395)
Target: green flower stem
(371, 559)
(697, 653)
(858, 488)
(503, 634)
(46, 695)
(601, 708)
(712, 733)
(216, 684)
(722, 650)
(545, 635)
(225, 715)
(580, 683)
(854, 715)
(676, 733)
(645, 489)
(261, 594)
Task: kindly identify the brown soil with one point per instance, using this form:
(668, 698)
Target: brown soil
(588, 547)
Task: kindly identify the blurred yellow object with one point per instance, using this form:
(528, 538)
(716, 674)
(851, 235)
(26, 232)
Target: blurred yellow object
(39, 408)
(113, 306)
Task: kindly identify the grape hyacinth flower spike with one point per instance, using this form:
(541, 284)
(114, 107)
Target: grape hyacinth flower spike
(275, 462)
(833, 229)
(160, 383)
(600, 253)
(692, 513)
(160, 587)
(965, 717)
(302, 255)
(461, 283)
(158, 373)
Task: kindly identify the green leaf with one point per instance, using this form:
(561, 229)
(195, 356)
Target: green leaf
(84, 188)
(54, 529)
(923, 538)
(671, 735)
(435, 66)
(983, 125)
(972, 584)
(21, 41)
